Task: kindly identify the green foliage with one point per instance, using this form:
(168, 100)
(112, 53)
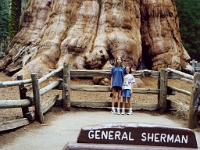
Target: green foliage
(15, 17)
(189, 22)
(4, 20)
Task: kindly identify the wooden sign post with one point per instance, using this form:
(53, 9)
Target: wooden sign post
(136, 135)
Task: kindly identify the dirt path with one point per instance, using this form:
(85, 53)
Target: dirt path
(62, 127)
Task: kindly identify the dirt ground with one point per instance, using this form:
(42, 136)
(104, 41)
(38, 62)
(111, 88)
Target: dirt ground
(55, 113)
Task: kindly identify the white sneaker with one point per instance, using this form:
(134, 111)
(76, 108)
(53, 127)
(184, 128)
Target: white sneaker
(118, 112)
(123, 112)
(129, 113)
(113, 111)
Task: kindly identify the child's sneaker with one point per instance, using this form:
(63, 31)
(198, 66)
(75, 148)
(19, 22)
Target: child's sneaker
(123, 112)
(113, 111)
(129, 113)
(118, 111)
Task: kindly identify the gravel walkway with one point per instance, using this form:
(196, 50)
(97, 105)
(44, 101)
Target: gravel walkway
(64, 127)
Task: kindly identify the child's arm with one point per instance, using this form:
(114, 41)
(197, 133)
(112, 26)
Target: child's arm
(132, 86)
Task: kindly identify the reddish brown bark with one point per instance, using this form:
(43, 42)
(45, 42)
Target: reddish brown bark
(90, 33)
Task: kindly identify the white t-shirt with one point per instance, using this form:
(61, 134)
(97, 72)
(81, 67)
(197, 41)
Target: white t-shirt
(128, 80)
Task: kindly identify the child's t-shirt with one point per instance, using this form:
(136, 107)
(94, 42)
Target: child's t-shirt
(118, 74)
(128, 80)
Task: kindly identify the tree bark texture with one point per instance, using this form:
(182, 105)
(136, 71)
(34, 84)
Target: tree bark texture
(89, 34)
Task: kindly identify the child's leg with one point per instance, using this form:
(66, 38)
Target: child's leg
(119, 97)
(130, 106)
(130, 103)
(113, 100)
(124, 102)
(123, 105)
(119, 101)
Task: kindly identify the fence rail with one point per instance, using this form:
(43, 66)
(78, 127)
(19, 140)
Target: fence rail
(34, 99)
(27, 101)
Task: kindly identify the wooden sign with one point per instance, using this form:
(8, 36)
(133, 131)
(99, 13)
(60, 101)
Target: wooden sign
(138, 134)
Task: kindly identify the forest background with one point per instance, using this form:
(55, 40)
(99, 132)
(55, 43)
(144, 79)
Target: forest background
(188, 13)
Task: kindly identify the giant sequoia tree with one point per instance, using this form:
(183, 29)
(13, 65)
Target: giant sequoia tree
(91, 33)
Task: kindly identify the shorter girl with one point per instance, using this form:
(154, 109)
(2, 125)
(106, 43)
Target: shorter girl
(127, 90)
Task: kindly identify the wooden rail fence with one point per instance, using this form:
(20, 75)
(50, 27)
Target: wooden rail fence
(34, 99)
(163, 90)
(27, 101)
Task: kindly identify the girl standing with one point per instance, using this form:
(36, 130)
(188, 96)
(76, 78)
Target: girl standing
(117, 73)
(127, 90)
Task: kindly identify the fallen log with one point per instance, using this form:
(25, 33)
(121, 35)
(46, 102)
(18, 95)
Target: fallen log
(13, 124)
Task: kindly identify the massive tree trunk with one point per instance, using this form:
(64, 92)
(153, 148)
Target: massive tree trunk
(89, 34)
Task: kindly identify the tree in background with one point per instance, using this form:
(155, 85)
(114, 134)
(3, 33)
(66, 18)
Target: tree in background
(4, 24)
(189, 19)
(15, 17)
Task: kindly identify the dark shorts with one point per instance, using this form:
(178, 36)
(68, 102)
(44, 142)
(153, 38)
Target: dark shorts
(126, 93)
(117, 88)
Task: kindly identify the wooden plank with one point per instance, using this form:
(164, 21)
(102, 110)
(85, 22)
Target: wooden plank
(92, 104)
(4, 126)
(37, 98)
(162, 96)
(49, 87)
(101, 88)
(22, 93)
(89, 73)
(180, 90)
(13, 83)
(14, 103)
(49, 103)
(66, 86)
(89, 88)
(194, 102)
(188, 76)
(145, 91)
(52, 73)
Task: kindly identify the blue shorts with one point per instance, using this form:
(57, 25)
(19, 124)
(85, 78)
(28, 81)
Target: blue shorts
(126, 93)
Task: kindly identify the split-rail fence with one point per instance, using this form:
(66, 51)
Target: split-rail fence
(66, 73)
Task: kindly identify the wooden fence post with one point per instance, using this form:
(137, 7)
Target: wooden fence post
(194, 102)
(22, 92)
(37, 99)
(162, 85)
(66, 86)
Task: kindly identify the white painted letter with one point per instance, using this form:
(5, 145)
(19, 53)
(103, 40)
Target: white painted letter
(130, 139)
(170, 138)
(97, 134)
(144, 137)
(104, 134)
(150, 136)
(163, 137)
(124, 136)
(156, 137)
(177, 139)
(111, 135)
(91, 134)
(185, 139)
(117, 135)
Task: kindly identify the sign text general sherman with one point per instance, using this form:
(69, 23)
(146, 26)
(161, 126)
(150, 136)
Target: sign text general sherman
(138, 134)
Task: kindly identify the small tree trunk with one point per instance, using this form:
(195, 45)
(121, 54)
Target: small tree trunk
(15, 17)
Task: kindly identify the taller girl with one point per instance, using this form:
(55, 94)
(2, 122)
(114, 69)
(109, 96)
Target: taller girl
(117, 75)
